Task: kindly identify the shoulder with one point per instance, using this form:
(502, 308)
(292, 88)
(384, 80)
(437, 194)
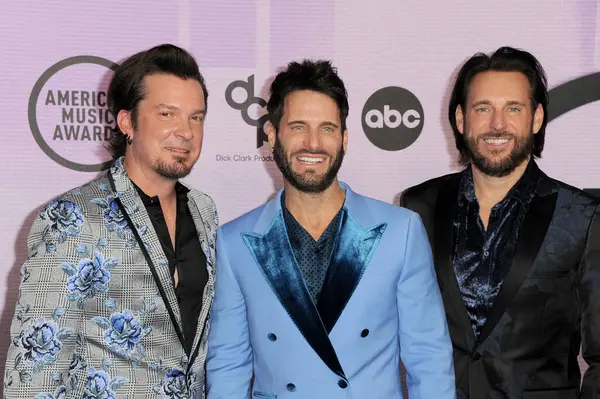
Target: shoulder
(431, 187)
(243, 223)
(206, 204)
(201, 198)
(77, 199)
(569, 194)
(66, 216)
(383, 210)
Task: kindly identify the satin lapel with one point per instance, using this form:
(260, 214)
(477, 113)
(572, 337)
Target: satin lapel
(132, 208)
(531, 238)
(274, 256)
(445, 211)
(205, 227)
(351, 256)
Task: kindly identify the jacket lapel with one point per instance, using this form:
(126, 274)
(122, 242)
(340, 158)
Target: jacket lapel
(351, 256)
(131, 206)
(531, 237)
(205, 219)
(443, 248)
(275, 258)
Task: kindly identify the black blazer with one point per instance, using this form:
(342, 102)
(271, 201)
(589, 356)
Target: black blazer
(548, 305)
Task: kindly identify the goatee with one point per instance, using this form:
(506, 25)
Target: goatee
(523, 147)
(299, 181)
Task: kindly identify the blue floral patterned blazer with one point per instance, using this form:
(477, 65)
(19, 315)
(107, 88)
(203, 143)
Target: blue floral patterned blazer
(97, 315)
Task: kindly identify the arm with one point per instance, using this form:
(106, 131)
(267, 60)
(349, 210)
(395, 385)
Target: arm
(44, 328)
(589, 297)
(229, 361)
(425, 345)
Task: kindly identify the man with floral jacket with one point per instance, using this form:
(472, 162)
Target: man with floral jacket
(118, 284)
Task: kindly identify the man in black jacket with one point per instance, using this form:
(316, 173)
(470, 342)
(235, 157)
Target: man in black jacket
(517, 253)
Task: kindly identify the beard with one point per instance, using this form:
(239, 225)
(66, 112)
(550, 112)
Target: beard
(309, 182)
(522, 149)
(174, 170)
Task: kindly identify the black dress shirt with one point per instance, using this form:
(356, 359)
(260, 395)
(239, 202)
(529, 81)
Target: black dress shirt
(187, 258)
(483, 256)
(312, 256)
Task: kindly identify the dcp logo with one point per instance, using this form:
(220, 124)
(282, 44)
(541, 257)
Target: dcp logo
(68, 113)
(244, 107)
(392, 118)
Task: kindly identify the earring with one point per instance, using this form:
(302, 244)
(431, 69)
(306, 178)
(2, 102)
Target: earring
(129, 140)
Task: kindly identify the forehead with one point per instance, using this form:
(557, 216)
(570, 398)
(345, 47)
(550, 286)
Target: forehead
(163, 88)
(499, 85)
(310, 105)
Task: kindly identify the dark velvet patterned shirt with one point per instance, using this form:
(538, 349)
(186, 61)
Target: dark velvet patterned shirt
(483, 256)
(312, 256)
(187, 258)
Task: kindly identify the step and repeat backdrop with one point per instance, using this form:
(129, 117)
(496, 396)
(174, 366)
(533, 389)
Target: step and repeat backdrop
(396, 57)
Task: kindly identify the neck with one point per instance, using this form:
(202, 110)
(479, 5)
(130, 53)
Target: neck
(149, 181)
(314, 208)
(490, 190)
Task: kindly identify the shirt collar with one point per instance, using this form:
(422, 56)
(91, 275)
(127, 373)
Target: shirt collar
(180, 190)
(329, 232)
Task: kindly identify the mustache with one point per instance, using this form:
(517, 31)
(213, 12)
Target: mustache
(496, 135)
(185, 145)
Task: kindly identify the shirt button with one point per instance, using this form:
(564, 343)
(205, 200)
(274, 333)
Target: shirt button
(272, 337)
(364, 332)
(291, 387)
(342, 384)
(486, 254)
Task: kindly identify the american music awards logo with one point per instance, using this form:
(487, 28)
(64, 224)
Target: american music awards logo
(68, 114)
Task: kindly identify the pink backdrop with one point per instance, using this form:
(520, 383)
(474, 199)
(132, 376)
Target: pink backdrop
(417, 46)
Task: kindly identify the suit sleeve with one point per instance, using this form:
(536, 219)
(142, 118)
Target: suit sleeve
(42, 357)
(425, 345)
(229, 362)
(589, 297)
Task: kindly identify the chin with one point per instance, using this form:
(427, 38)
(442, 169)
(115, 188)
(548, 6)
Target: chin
(311, 169)
(173, 170)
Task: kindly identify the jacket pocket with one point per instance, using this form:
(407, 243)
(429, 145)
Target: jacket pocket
(263, 395)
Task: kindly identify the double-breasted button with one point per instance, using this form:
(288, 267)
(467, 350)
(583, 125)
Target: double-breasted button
(291, 387)
(364, 332)
(272, 337)
(342, 384)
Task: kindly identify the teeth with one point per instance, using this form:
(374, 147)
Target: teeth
(496, 141)
(178, 150)
(310, 159)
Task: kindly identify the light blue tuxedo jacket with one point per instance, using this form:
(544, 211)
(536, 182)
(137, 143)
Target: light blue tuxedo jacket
(380, 302)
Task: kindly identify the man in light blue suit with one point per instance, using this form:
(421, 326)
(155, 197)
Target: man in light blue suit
(320, 292)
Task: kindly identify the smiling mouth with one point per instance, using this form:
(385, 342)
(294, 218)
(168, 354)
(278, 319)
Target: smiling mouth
(496, 141)
(178, 150)
(310, 160)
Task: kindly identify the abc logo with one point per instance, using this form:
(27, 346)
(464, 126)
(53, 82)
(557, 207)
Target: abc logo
(392, 118)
